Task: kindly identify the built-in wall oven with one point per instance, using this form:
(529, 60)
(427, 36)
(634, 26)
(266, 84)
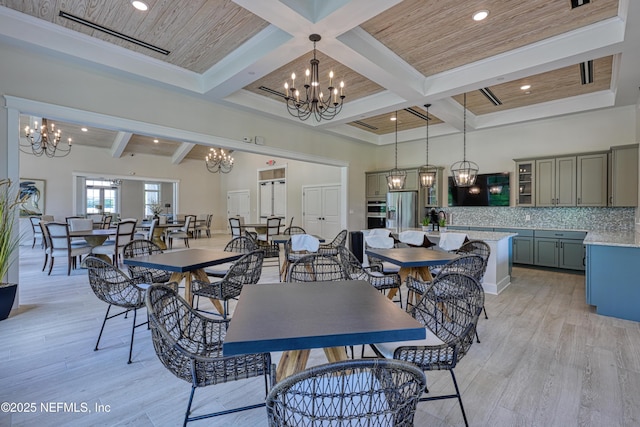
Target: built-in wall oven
(376, 213)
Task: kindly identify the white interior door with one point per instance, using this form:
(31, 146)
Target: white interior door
(312, 210)
(280, 198)
(321, 210)
(238, 204)
(331, 224)
(266, 201)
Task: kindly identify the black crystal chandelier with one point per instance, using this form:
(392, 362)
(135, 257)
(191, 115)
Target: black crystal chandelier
(464, 172)
(312, 101)
(218, 161)
(44, 141)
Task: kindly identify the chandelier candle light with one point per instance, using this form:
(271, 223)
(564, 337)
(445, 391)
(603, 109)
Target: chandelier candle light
(464, 172)
(313, 101)
(396, 177)
(45, 141)
(427, 172)
(219, 161)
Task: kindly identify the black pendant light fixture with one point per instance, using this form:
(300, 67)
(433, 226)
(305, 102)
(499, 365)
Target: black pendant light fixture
(396, 177)
(464, 172)
(427, 172)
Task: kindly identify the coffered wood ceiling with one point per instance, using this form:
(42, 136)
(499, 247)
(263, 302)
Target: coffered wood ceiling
(392, 55)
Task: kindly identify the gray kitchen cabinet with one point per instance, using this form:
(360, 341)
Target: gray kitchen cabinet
(560, 249)
(411, 181)
(591, 179)
(377, 185)
(555, 181)
(623, 176)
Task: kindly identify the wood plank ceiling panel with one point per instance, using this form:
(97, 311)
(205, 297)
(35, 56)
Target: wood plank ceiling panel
(382, 124)
(553, 85)
(141, 144)
(434, 36)
(198, 33)
(356, 86)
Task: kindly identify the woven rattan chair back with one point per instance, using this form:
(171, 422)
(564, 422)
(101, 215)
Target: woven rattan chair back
(331, 248)
(294, 230)
(477, 247)
(317, 268)
(364, 392)
(140, 247)
(241, 244)
(470, 264)
(189, 345)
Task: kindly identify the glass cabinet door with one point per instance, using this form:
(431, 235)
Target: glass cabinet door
(525, 173)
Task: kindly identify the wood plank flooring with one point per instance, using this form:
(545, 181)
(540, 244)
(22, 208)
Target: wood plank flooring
(546, 359)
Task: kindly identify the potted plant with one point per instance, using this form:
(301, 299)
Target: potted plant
(442, 223)
(8, 244)
(425, 223)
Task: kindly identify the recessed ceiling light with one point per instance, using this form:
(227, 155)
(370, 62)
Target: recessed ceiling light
(155, 140)
(140, 5)
(480, 15)
(525, 87)
(84, 129)
(393, 119)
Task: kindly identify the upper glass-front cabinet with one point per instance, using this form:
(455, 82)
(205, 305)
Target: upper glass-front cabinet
(526, 177)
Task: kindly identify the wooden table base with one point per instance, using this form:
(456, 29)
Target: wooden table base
(293, 361)
(188, 295)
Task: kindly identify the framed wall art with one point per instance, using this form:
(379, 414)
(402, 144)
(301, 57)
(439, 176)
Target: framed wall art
(33, 191)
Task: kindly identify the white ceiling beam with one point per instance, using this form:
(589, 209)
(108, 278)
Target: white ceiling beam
(120, 143)
(181, 152)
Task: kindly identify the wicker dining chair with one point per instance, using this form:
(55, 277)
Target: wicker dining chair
(245, 271)
(380, 281)
(242, 244)
(449, 309)
(317, 267)
(354, 393)
(481, 248)
(331, 248)
(115, 288)
(293, 230)
(140, 247)
(189, 345)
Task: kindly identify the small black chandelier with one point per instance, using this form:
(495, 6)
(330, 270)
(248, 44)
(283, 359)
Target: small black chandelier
(464, 172)
(44, 141)
(396, 177)
(427, 172)
(313, 101)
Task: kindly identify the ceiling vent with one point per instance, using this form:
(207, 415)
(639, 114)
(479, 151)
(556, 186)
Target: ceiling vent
(578, 3)
(272, 91)
(363, 124)
(417, 113)
(586, 72)
(490, 96)
(111, 32)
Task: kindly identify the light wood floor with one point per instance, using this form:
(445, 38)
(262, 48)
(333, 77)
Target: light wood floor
(546, 359)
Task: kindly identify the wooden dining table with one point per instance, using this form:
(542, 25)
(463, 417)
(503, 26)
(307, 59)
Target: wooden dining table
(186, 265)
(297, 317)
(159, 230)
(412, 261)
(95, 237)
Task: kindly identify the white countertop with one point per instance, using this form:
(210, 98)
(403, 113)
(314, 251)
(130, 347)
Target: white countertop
(613, 238)
(473, 235)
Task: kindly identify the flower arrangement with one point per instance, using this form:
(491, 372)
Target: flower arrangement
(156, 208)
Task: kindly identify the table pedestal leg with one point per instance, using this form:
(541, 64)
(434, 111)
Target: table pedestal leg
(157, 238)
(188, 295)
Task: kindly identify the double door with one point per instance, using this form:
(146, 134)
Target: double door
(321, 210)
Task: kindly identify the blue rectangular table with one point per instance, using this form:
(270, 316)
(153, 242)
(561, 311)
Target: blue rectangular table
(296, 317)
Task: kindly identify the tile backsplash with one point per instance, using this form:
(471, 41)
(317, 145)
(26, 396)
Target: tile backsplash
(596, 219)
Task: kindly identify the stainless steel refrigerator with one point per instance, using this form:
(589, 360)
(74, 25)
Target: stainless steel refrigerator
(402, 210)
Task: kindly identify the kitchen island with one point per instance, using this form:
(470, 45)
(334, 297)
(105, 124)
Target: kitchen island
(497, 277)
(613, 271)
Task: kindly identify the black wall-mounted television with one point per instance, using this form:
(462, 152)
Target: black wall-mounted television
(490, 189)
